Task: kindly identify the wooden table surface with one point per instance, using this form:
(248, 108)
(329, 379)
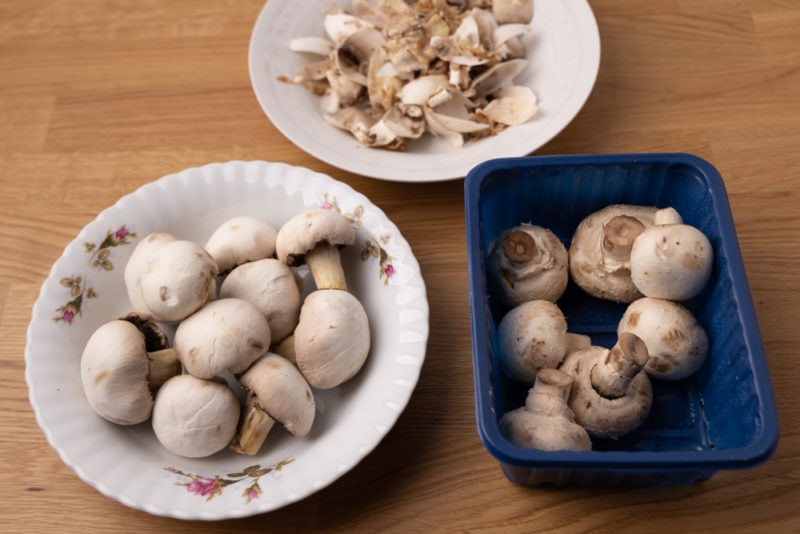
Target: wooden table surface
(100, 97)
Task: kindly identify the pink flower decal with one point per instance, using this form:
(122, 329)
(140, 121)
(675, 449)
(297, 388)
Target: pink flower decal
(205, 487)
(210, 487)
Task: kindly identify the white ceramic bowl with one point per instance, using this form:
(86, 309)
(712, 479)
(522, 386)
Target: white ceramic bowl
(563, 50)
(85, 289)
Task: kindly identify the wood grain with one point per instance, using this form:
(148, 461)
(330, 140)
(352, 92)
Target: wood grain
(98, 98)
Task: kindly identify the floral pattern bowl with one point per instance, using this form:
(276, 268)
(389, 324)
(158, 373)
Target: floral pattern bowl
(85, 288)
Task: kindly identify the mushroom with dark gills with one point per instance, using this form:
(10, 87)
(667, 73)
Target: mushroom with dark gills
(611, 394)
(533, 336)
(276, 391)
(676, 341)
(600, 251)
(546, 422)
(193, 417)
(224, 335)
(314, 237)
(121, 363)
(528, 262)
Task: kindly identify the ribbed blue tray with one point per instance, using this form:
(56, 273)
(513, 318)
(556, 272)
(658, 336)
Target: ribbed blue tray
(722, 417)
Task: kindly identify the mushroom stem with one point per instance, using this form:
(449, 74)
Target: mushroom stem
(253, 428)
(550, 393)
(667, 216)
(325, 264)
(163, 365)
(611, 376)
(576, 342)
(520, 247)
(618, 236)
(286, 349)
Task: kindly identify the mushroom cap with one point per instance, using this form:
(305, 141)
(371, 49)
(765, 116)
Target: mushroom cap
(305, 230)
(332, 338)
(136, 263)
(114, 369)
(512, 11)
(532, 337)
(529, 263)
(676, 341)
(272, 288)
(545, 422)
(240, 240)
(193, 417)
(598, 276)
(671, 261)
(605, 417)
(177, 279)
(282, 392)
(224, 335)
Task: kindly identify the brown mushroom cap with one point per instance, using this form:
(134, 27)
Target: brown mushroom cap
(529, 262)
(332, 339)
(599, 254)
(545, 422)
(224, 335)
(610, 396)
(193, 417)
(676, 341)
(272, 288)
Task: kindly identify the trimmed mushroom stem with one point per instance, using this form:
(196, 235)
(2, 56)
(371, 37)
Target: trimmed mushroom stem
(618, 236)
(325, 264)
(520, 247)
(550, 393)
(163, 365)
(611, 376)
(576, 342)
(253, 429)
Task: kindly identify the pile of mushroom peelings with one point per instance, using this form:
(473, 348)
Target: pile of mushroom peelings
(638, 255)
(254, 334)
(393, 70)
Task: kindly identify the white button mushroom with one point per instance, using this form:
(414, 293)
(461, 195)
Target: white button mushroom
(599, 254)
(224, 335)
(677, 343)
(177, 280)
(277, 392)
(240, 240)
(512, 11)
(272, 288)
(611, 395)
(533, 336)
(528, 262)
(332, 339)
(671, 261)
(545, 422)
(136, 264)
(122, 361)
(314, 237)
(195, 418)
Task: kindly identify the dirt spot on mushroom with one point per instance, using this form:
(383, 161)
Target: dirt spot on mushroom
(100, 378)
(690, 262)
(673, 338)
(633, 319)
(255, 344)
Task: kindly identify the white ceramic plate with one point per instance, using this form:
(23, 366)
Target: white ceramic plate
(563, 50)
(85, 289)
